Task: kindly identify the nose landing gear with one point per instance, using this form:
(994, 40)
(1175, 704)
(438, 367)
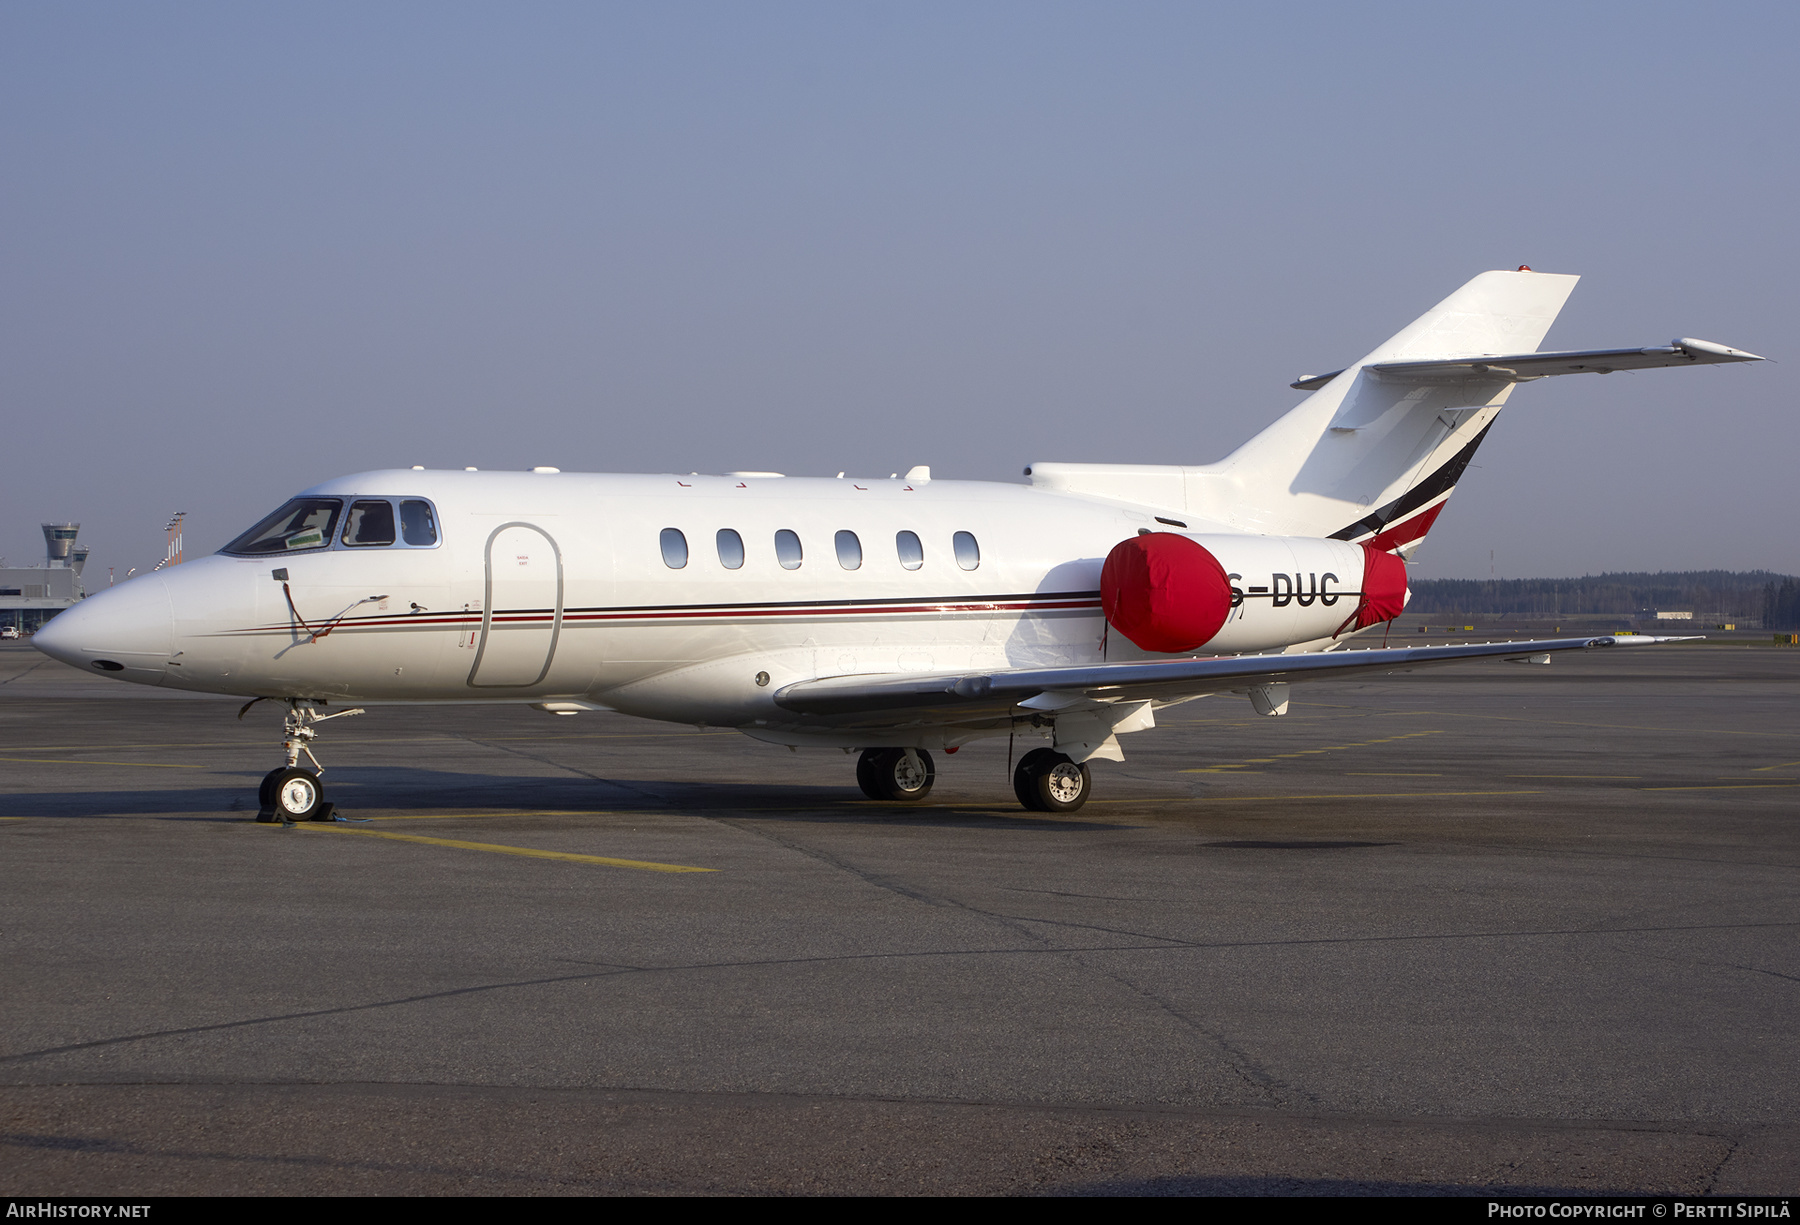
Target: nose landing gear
(293, 793)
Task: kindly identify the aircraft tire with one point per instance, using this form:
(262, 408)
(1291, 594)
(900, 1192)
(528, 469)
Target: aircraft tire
(265, 791)
(295, 795)
(1048, 781)
(865, 773)
(1024, 776)
(885, 774)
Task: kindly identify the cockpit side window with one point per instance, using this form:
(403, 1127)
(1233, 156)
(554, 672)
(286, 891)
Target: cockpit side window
(418, 526)
(369, 523)
(303, 523)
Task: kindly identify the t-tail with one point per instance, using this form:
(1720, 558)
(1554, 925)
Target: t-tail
(1375, 451)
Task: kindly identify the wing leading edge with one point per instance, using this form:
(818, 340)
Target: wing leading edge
(959, 695)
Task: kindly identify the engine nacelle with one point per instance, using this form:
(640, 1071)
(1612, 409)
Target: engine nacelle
(1171, 593)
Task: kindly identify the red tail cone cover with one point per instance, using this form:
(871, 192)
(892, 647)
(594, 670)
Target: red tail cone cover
(1383, 588)
(1164, 592)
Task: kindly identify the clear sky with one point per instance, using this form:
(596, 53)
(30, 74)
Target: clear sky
(246, 247)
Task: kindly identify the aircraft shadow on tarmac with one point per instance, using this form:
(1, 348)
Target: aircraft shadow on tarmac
(413, 791)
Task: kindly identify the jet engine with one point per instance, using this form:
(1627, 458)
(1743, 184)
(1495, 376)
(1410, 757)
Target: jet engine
(1171, 594)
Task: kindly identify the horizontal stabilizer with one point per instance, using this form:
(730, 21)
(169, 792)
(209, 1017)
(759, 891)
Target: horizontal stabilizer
(948, 696)
(1523, 367)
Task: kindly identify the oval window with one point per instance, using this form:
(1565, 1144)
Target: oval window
(787, 549)
(849, 551)
(912, 553)
(968, 553)
(731, 549)
(674, 548)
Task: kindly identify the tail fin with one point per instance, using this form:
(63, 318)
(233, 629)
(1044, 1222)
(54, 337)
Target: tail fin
(1365, 457)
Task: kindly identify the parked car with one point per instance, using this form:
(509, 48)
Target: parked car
(8, 632)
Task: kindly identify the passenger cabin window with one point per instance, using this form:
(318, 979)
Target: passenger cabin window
(787, 549)
(968, 553)
(369, 523)
(302, 523)
(418, 526)
(849, 551)
(731, 549)
(912, 553)
(674, 548)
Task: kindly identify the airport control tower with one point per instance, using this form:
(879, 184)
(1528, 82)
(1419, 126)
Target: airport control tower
(59, 543)
(31, 595)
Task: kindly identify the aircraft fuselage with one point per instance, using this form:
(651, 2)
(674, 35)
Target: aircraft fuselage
(546, 586)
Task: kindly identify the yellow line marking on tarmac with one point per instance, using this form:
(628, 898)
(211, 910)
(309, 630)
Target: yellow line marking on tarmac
(1350, 795)
(1616, 776)
(80, 761)
(459, 816)
(528, 852)
(1390, 774)
(1778, 765)
(1729, 787)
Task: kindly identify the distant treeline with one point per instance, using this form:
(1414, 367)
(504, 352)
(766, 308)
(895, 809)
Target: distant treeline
(1749, 597)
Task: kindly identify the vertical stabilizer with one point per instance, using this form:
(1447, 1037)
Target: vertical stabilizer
(1366, 457)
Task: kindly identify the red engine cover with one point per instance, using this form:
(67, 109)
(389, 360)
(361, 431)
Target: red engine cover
(1164, 592)
(1384, 588)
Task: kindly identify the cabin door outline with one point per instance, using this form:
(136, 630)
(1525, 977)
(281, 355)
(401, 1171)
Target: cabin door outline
(509, 667)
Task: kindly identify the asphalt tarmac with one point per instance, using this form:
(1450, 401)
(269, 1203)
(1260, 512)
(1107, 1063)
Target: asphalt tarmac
(1485, 929)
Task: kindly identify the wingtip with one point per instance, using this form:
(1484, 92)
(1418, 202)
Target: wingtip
(1715, 351)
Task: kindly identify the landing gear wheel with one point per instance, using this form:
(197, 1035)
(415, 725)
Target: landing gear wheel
(265, 791)
(1047, 781)
(895, 774)
(294, 795)
(865, 773)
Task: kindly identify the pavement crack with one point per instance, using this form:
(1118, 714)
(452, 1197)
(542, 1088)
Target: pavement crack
(1242, 1064)
(247, 1022)
(1712, 1176)
(876, 879)
(86, 1144)
(27, 672)
(650, 796)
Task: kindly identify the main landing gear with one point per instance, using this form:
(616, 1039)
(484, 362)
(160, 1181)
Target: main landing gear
(294, 793)
(895, 774)
(1047, 781)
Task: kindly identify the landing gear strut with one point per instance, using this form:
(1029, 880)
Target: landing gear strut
(1047, 781)
(895, 774)
(293, 793)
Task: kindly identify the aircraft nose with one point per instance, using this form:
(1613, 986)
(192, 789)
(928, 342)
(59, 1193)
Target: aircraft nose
(126, 631)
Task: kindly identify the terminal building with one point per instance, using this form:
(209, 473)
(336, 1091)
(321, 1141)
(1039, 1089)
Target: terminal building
(31, 595)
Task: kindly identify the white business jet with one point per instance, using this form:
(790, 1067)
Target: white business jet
(895, 617)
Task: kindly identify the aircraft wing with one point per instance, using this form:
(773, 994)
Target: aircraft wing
(1519, 367)
(956, 695)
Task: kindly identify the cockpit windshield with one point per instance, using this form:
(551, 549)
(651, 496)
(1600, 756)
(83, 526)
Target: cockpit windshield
(370, 522)
(304, 523)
